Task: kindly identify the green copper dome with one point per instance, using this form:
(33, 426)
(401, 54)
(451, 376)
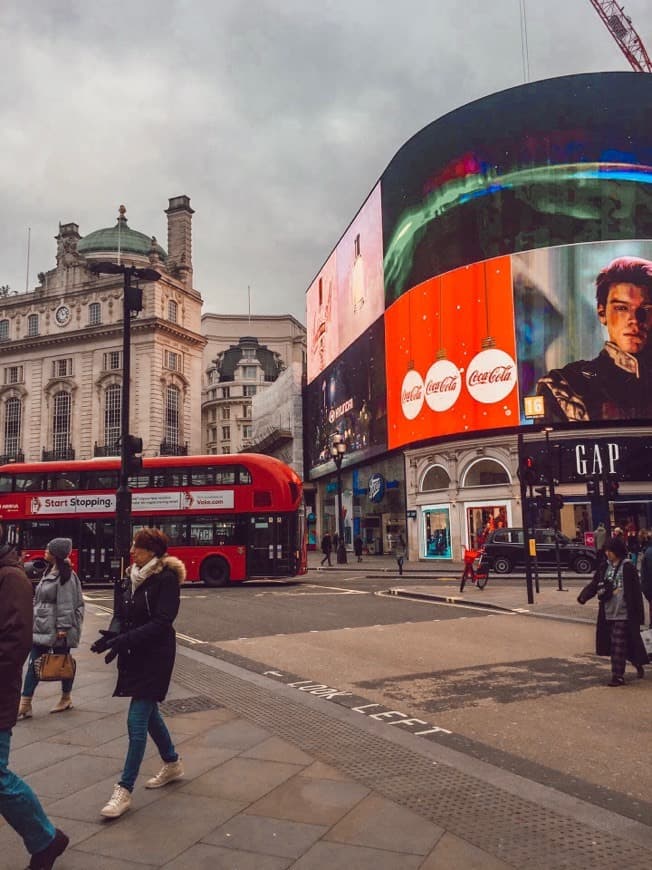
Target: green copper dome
(120, 238)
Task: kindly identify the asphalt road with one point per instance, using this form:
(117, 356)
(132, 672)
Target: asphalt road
(522, 692)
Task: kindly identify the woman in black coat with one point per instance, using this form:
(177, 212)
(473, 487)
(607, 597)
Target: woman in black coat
(620, 614)
(142, 636)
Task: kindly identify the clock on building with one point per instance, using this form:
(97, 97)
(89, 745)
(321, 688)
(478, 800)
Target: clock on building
(62, 315)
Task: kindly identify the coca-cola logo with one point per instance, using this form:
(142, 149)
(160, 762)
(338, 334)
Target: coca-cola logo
(491, 376)
(412, 394)
(442, 385)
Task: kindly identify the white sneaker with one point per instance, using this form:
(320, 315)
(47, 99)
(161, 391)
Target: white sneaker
(119, 802)
(171, 771)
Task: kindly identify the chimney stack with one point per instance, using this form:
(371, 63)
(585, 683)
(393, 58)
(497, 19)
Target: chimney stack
(180, 237)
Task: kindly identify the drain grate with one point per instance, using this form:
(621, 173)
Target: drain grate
(195, 704)
(520, 832)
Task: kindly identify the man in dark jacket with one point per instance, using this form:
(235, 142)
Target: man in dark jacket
(18, 803)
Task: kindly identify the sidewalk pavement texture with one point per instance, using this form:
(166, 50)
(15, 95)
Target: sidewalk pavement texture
(279, 779)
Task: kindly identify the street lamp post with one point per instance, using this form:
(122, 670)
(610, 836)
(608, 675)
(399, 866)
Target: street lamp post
(338, 449)
(130, 446)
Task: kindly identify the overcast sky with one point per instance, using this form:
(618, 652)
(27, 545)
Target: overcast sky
(275, 116)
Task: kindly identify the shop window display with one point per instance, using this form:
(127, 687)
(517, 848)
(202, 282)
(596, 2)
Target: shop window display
(436, 533)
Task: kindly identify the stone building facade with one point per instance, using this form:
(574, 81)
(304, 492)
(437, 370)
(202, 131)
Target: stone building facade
(61, 348)
(244, 356)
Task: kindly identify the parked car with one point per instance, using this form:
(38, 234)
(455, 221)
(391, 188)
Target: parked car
(503, 551)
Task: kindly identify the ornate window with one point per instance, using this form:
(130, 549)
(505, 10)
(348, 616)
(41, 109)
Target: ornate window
(112, 414)
(61, 422)
(173, 311)
(226, 433)
(435, 478)
(12, 426)
(485, 472)
(32, 325)
(4, 330)
(112, 360)
(172, 415)
(14, 375)
(173, 360)
(62, 368)
(94, 314)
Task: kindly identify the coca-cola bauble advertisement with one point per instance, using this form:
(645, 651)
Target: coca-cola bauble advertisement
(454, 336)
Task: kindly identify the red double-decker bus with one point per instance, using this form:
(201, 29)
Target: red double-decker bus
(229, 518)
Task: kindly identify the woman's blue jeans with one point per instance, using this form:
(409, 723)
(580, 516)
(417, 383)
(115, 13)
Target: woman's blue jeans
(32, 681)
(144, 718)
(20, 806)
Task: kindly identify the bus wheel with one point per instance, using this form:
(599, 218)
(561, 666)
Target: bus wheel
(215, 572)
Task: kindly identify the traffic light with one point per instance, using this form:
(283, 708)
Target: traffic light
(528, 471)
(542, 497)
(134, 461)
(592, 488)
(612, 486)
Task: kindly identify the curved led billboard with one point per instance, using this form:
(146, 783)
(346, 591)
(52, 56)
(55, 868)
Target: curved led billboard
(516, 264)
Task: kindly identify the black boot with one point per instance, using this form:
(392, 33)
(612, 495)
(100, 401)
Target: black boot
(45, 859)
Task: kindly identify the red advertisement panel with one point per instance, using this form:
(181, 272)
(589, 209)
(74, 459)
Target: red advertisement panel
(451, 355)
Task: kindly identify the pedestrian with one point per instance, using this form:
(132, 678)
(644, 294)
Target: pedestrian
(326, 548)
(58, 620)
(400, 553)
(646, 575)
(18, 804)
(620, 613)
(357, 547)
(600, 536)
(142, 636)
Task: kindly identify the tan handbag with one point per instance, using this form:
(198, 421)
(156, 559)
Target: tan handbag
(51, 667)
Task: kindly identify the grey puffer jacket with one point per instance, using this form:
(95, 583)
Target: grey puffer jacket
(58, 607)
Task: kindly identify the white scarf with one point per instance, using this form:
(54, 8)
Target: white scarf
(139, 575)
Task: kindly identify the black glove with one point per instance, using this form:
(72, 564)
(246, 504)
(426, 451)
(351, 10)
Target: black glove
(102, 644)
(116, 644)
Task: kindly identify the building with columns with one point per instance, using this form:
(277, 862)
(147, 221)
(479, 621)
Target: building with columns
(244, 356)
(61, 348)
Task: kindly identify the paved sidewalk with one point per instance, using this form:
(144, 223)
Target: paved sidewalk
(278, 779)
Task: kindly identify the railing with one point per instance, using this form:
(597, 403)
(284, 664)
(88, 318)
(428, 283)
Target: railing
(106, 449)
(168, 448)
(61, 453)
(16, 456)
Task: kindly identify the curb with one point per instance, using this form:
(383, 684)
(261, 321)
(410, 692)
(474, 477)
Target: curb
(486, 605)
(450, 599)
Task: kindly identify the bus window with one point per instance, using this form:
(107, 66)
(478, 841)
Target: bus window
(140, 481)
(168, 478)
(6, 482)
(62, 481)
(201, 531)
(244, 476)
(99, 480)
(174, 529)
(36, 534)
(213, 476)
(29, 482)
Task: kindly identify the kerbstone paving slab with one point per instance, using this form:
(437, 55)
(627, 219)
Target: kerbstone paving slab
(382, 824)
(44, 725)
(276, 749)
(95, 733)
(75, 860)
(242, 779)
(159, 832)
(315, 801)
(335, 856)
(85, 804)
(266, 836)
(69, 776)
(453, 853)
(236, 734)
(319, 770)
(203, 857)
(35, 756)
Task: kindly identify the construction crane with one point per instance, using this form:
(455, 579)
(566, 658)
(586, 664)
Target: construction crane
(621, 28)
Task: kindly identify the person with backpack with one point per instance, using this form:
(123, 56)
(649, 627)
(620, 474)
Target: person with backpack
(327, 549)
